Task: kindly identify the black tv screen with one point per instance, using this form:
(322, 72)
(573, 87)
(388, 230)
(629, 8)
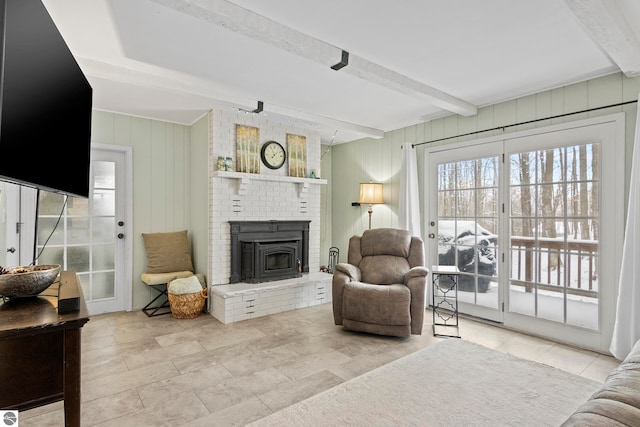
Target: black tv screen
(45, 104)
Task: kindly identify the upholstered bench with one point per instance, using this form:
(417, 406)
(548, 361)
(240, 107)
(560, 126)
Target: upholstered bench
(617, 402)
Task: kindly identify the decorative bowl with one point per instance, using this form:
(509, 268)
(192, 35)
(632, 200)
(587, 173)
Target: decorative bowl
(27, 281)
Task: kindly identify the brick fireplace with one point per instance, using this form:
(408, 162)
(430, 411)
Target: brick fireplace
(271, 196)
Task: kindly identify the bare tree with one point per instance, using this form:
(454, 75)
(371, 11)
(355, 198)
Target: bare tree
(574, 193)
(595, 199)
(595, 190)
(547, 201)
(525, 207)
(583, 192)
(546, 194)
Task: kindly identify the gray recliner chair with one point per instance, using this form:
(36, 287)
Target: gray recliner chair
(381, 289)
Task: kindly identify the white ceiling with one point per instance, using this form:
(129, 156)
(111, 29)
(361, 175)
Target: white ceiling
(409, 61)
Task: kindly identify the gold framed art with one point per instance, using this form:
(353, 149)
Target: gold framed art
(247, 149)
(297, 149)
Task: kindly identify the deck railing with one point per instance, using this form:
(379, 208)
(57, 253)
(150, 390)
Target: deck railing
(557, 263)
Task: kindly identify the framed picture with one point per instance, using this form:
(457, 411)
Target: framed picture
(247, 149)
(297, 149)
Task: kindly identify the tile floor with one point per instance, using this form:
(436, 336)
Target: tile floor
(161, 371)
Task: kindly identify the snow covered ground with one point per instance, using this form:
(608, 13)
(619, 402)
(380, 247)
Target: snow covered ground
(581, 311)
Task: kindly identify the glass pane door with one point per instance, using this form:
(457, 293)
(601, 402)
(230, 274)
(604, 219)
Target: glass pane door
(82, 239)
(554, 234)
(467, 201)
(87, 235)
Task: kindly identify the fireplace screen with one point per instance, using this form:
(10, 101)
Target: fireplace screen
(263, 261)
(278, 261)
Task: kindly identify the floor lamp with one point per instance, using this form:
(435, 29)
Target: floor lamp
(371, 194)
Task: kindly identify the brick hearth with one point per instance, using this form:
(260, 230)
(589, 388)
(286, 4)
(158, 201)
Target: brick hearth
(242, 301)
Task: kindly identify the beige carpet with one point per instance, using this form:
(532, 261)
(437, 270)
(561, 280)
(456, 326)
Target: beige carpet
(452, 383)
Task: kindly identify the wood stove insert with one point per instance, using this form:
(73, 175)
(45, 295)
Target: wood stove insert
(263, 251)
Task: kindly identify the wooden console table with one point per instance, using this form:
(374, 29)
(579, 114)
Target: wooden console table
(40, 353)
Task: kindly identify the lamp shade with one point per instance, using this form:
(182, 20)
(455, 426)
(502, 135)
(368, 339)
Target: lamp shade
(370, 193)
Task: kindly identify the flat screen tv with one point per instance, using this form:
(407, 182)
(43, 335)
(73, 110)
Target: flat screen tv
(45, 104)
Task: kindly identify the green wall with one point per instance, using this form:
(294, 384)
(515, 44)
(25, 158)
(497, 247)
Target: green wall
(380, 160)
(325, 204)
(199, 204)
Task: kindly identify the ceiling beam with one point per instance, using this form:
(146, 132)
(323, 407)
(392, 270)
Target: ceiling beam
(151, 78)
(606, 25)
(366, 131)
(235, 18)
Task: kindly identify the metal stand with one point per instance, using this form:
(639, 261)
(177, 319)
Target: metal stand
(164, 308)
(445, 292)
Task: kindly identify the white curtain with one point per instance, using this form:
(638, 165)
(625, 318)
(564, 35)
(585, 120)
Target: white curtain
(409, 209)
(626, 330)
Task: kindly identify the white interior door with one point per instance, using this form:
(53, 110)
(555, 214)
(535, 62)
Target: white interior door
(10, 230)
(17, 208)
(90, 236)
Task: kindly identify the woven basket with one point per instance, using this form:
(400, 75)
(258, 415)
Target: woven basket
(187, 306)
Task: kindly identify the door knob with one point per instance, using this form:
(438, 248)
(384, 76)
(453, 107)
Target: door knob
(432, 236)
(120, 236)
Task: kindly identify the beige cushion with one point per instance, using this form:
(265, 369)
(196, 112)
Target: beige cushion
(186, 285)
(162, 278)
(167, 252)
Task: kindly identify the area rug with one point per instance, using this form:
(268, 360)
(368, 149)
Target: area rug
(452, 383)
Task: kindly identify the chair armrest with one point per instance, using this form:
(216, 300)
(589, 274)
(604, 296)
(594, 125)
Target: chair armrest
(415, 272)
(416, 281)
(350, 270)
(343, 274)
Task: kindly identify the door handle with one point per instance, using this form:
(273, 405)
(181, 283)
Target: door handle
(11, 250)
(432, 235)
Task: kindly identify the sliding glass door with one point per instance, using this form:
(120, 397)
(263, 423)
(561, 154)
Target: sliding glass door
(534, 223)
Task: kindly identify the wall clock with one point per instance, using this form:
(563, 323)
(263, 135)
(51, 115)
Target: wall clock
(273, 155)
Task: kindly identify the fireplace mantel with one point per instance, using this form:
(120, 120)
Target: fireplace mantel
(244, 180)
